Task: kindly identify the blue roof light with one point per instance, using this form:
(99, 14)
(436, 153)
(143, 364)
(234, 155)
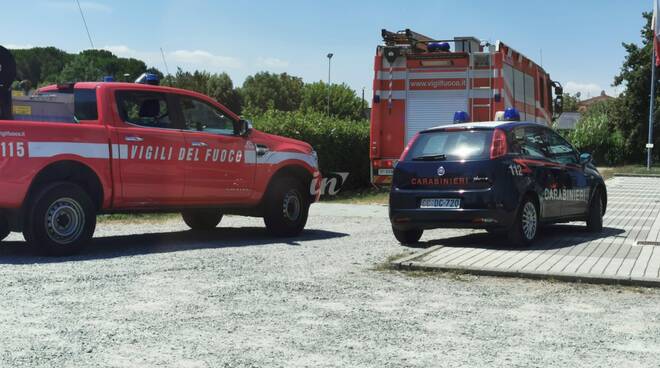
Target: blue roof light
(511, 114)
(461, 117)
(108, 78)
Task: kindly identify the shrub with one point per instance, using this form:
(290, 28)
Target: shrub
(595, 133)
(342, 145)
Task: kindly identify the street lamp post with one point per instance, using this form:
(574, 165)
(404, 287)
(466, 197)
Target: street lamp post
(330, 55)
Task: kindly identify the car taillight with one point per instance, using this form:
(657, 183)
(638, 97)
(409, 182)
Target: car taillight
(498, 145)
(410, 143)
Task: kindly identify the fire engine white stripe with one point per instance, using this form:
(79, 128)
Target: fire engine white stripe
(272, 158)
(384, 75)
(396, 95)
(86, 150)
(120, 151)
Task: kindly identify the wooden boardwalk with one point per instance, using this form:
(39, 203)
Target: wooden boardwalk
(626, 252)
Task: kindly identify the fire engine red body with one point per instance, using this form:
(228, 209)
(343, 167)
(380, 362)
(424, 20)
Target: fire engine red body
(417, 87)
(126, 167)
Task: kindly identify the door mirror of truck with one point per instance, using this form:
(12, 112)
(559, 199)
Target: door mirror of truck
(243, 127)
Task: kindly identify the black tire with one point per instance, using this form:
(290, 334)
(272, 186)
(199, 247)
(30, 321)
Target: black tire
(60, 220)
(526, 225)
(595, 214)
(286, 207)
(202, 219)
(4, 228)
(407, 237)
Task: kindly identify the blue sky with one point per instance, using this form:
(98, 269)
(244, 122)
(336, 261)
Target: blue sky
(581, 40)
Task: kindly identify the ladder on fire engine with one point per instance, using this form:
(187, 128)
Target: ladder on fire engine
(480, 59)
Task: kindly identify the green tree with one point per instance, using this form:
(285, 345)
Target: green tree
(571, 102)
(217, 86)
(264, 91)
(93, 65)
(344, 102)
(632, 109)
(40, 64)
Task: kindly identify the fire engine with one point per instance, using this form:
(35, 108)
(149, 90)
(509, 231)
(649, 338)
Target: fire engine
(420, 82)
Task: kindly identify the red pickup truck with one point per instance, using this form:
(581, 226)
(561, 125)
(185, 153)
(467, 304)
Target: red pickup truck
(137, 147)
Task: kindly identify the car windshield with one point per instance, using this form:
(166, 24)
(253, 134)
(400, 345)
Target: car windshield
(451, 145)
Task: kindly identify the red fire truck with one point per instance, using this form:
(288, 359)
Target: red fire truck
(420, 82)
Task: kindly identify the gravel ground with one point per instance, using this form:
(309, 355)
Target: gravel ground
(236, 297)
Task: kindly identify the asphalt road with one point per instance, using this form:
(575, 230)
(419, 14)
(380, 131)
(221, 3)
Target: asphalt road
(154, 294)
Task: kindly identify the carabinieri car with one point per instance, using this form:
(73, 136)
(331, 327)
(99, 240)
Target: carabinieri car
(498, 176)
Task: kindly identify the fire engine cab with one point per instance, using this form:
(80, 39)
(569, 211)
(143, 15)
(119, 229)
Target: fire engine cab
(420, 82)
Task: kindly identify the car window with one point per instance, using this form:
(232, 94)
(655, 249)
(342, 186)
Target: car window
(529, 141)
(455, 145)
(148, 109)
(201, 116)
(561, 150)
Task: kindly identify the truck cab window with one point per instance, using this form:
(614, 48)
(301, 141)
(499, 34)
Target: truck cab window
(148, 109)
(200, 116)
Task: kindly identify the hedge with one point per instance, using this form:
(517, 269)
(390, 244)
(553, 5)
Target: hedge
(342, 145)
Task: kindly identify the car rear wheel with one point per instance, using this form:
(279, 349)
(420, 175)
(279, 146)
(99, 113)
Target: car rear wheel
(286, 207)
(407, 237)
(201, 219)
(524, 229)
(595, 215)
(60, 220)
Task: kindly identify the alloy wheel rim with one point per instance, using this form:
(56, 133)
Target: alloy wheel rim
(64, 221)
(291, 206)
(529, 220)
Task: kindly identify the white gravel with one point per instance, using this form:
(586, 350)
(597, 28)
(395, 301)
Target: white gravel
(236, 297)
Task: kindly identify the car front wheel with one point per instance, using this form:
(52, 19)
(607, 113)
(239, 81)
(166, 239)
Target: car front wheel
(595, 215)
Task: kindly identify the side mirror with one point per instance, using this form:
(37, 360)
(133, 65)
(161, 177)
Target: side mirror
(585, 158)
(243, 127)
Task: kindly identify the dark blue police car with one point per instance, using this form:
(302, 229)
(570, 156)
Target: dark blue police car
(500, 176)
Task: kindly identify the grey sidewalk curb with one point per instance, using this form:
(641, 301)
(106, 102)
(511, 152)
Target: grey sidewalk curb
(637, 175)
(407, 263)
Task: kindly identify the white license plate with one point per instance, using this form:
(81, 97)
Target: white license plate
(386, 172)
(440, 203)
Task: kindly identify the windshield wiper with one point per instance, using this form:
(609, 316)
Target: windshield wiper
(438, 157)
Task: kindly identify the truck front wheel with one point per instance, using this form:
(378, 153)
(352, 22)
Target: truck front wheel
(286, 207)
(61, 219)
(201, 219)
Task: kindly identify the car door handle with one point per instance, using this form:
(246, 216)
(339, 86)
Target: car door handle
(199, 144)
(133, 138)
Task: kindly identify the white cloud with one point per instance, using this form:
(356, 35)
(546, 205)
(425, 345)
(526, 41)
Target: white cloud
(272, 63)
(12, 46)
(186, 59)
(201, 58)
(87, 6)
(586, 90)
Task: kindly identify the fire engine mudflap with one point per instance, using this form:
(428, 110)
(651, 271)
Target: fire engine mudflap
(139, 147)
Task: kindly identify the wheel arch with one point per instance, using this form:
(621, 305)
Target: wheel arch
(71, 171)
(296, 171)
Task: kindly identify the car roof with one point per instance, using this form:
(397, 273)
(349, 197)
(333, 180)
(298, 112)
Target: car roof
(506, 125)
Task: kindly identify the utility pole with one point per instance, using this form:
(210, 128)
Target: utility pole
(330, 55)
(649, 145)
(363, 109)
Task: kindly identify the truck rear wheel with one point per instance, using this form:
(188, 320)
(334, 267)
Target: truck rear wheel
(60, 221)
(201, 219)
(4, 228)
(286, 207)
